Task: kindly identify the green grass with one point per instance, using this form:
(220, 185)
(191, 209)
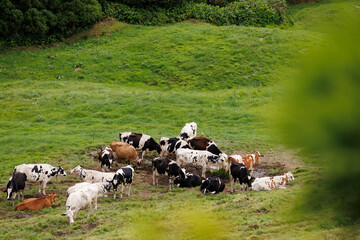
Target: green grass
(154, 80)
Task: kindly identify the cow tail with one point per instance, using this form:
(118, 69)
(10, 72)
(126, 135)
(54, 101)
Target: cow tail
(201, 133)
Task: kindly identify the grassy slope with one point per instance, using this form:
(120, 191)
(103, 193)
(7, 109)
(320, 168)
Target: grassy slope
(215, 76)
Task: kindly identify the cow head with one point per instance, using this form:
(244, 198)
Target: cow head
(69, 213)
(53, 197)
(259, 155)
(107, 186)
(289, 176)
(60, 170)
(223, 160)
(77, 169)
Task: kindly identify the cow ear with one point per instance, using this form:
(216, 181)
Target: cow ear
(5, 191)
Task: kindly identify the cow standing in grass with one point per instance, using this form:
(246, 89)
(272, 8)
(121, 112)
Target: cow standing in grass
(140, 141)
(106, 158)
(16, 185)
(41, 173)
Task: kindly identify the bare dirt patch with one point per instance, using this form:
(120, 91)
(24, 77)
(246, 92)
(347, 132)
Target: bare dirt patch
(282, 161)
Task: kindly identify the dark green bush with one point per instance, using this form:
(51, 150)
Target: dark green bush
(43, 21)
(245, 12)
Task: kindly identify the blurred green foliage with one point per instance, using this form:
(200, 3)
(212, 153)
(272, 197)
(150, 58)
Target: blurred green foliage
(320, 113)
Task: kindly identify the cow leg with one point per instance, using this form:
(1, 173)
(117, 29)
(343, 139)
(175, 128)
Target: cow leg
(39, 187)
(89, 212)
(129, 189)
(44, 186)
(114, 194)
(122, 190)
(95, 206)
(231, 183)
(169, 184)
(154, 177)
(203, 170)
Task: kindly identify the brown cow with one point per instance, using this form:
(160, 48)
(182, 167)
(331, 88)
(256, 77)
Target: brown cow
(249, 160)
(125, 151)
(36, 203)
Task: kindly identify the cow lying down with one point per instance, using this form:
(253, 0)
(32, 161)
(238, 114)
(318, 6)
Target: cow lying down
(269, 183)
(212, 185)
(36, 203)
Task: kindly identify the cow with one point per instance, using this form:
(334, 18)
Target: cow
(213, 185)
(92, 176)
(124, 175)
(106, 158)
(140, 141)
(190, 180)
(159, 167)
(170, 145)
(16, 185)
(125, 151)
(200, 158)
(36, 203)
(239, 171)
(102, 187)
(81, 199)
(203, 143)
(41, 173)
(250, 160)
(188, 131)
(174, 172)
(269, 183)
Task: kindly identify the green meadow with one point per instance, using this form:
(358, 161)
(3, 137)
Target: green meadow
(58, 104)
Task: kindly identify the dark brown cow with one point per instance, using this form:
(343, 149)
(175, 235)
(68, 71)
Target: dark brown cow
(203, 143)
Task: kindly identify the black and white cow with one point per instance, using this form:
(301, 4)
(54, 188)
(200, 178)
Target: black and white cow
(124, 175)
(238, 171)
(174, 172)
(190, 180)
(200, 158)
(106, 158)
(188, 131)
(41, 173)
(170, 145)
(213, 185)
(159, 167)
(140, 141)
(16, 185)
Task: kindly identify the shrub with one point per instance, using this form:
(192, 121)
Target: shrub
(245, 12)
(42, 21)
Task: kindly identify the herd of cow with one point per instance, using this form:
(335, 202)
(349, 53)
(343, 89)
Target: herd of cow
(187, 150)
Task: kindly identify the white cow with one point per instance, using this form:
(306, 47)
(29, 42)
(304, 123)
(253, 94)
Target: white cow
(81, 199)
(188, 131)
(102, 187)
(200, 158)
(41, 173)
(269, 183)
(92, 176)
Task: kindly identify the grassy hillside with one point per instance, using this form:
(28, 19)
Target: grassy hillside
(60, 103)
